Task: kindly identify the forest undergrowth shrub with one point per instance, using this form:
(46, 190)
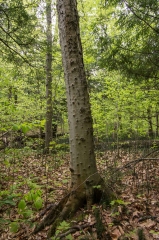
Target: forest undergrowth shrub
(24, 205)
(23, 196)
(62, 228)
(11, 191)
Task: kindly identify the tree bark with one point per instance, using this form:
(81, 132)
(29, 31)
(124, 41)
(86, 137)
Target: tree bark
(157, 123)
(83, 163)
(149, 117)
(49, 111)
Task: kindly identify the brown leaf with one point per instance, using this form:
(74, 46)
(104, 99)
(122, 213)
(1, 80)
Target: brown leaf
(135, 214)
(115, 234)
(148, 223)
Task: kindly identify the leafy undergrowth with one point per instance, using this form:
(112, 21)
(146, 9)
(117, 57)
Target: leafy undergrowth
(32, 183)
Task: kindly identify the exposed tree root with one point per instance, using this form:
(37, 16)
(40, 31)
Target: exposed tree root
(73, 229)
(52, 215)
(86, 194)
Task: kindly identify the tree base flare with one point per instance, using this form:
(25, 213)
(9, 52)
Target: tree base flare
(71, 203)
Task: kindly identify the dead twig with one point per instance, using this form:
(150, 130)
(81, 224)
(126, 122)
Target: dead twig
(73, 229)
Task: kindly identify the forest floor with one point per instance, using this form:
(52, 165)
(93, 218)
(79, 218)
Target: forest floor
(31, 184)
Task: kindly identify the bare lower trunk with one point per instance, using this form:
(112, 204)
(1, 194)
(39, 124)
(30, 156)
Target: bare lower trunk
(82, 164)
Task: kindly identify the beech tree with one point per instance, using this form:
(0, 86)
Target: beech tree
(84, 174)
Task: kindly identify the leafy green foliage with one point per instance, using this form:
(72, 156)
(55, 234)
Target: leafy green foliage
(64, 226)
(14, 227)
(17, 30)
(23, 209)
(38, 203)
(7, 199)
(34, 196)
(118, 202)
(25, 205)
(22, 204)
(97, 187)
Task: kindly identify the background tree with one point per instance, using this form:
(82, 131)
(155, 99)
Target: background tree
(49, 110)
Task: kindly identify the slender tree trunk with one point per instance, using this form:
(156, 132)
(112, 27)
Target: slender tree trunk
(157, 123)
(150, 129)
(48, 125)
(83, 163)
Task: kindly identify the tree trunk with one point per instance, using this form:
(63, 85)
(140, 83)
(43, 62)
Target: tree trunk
(83, 163)
(48, 125)
(157, 123)
(150, 128)
(84, 175)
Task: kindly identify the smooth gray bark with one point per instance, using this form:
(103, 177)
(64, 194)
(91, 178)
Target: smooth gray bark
(83, 163)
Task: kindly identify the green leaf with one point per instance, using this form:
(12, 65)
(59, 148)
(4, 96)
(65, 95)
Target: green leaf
(14, 227)
(69, 237)
(4, 221)
(65, 181)
(22, 204)
(7, 163)
(27, 213)
(32, 185)
(7, 201)
(16, 127)
(98, 186)
(25, 128)
(63, 226)
(28, 197)
(38, 203)
(118, 202)
(11, 202)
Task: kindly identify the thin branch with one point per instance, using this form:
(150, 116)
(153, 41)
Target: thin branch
(1, 9)
(140, 18)
(74, 229)
(139, 160)
(13, 50)
(134, 162)
(20, 44)
(143, 159)
(136, 52)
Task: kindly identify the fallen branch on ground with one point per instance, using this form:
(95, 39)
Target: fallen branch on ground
(73, 229)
